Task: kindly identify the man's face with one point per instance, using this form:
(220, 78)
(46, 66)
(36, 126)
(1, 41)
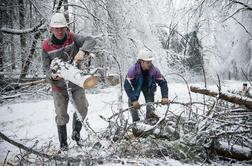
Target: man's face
(146, 65)
(59, 32)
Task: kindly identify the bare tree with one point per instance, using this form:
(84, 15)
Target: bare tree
(12, 45)
(66, 11)
(29, 58)
(22, 26)
(1, 53)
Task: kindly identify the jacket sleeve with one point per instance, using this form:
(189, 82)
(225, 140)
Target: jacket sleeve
(129, 89)
(46, 64)
(161, 81)
(164, 87)
(85, 44)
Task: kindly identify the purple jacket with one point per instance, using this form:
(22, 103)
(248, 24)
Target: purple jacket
(134, 82)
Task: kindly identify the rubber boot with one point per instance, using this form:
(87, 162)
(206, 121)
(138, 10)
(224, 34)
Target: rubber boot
(151, 118)
(77, 125)
(62, 133)
(151, 115)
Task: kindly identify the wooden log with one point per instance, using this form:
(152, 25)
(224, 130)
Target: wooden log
(113, 79)
(159, 128)
(233, 151)
(240, 100)
(72, 73)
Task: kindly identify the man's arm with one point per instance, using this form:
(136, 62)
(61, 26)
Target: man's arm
(161, 81)
(46, 64)
(85, 44)
(163, 86)
(129, 89)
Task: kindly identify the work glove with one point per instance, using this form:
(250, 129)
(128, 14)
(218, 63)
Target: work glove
(79, 56)
(55, 76)
(165, 101)
(135, 104)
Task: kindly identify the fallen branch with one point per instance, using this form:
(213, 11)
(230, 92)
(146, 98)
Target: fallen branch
(44, 155)
(153, 127)
(150, 103)
(9, 97)
(128, 109)
(230, 98)
(29, 83)
(6, 157)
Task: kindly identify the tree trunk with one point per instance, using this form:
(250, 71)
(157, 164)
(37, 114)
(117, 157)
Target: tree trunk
(66, 12)
(29, 58)
(30, 6)
(1, 54)
(12, 45)
(3, 20)
(230, 98)
(59, 6)
(22, 25)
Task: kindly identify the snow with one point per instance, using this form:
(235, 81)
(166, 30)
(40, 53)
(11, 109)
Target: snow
(26, 122)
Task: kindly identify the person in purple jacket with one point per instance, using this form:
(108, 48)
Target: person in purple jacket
(143, 77)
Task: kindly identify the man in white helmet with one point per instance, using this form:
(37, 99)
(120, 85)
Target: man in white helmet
(143, 77)
(69, 47)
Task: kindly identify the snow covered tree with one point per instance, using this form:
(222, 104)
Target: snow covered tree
(193, 52)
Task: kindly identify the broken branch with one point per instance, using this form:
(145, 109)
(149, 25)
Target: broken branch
(230, 98)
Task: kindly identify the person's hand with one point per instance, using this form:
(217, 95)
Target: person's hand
(165, 101)
(135, 105)
(79, 56)
(55, 76)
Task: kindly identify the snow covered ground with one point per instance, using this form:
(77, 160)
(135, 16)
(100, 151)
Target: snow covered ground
(33, 119)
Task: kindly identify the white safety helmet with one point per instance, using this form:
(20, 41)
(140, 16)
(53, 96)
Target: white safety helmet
(58, 20)
(145, 55)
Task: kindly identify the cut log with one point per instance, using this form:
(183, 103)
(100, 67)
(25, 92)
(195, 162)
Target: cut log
(160, 129)
(72, 73)
(240, 100)
(233, 151)
(113, 79)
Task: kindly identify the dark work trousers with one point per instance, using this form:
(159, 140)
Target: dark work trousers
(61, 103)
(149, 97)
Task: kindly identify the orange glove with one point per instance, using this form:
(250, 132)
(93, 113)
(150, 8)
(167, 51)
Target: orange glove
(135, 104)
(165, 101)
(79, 56)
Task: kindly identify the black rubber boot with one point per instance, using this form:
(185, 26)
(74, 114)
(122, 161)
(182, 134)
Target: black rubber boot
(151, 115)
(62, 132)
(77, 125)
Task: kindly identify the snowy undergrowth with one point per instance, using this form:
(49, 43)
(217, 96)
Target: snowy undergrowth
(31, 122)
